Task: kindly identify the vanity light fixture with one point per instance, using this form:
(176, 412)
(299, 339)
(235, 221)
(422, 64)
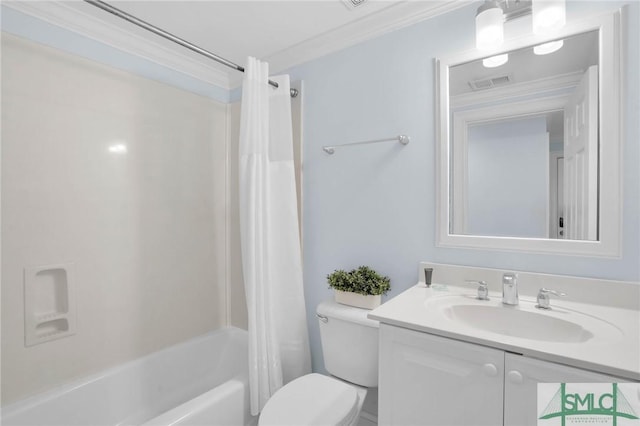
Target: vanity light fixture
(489, 26)
(548, 15)
(546, 48)
(495, 61)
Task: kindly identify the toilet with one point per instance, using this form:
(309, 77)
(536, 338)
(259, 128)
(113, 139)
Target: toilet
(350, 349)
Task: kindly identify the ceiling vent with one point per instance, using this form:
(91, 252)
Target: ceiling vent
(352, 4)
(488, 83)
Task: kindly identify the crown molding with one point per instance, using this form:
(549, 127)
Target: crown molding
(101, 30)
(400, 15)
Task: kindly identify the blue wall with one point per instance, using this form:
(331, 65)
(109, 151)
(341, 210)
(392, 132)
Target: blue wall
(376, 205)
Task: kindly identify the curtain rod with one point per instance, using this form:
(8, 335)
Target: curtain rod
(162, 33)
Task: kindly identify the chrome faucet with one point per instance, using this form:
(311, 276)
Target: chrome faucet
(510, 288)
(544, 297)
(483, 289)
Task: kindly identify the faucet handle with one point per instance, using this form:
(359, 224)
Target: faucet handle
(544, 297)
(483, 289)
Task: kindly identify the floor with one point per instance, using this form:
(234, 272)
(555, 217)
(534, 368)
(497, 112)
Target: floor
(367, 420)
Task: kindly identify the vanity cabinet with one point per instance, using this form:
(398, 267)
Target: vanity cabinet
(432, 380)
(522, 376)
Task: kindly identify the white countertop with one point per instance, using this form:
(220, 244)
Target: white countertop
(614, 348)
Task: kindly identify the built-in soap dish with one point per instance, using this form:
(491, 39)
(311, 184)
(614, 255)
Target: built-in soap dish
(49, 308)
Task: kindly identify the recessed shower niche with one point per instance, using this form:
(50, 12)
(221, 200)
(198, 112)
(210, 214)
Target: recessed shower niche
(49, 309)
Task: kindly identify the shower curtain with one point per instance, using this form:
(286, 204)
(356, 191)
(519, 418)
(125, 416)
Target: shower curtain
(270, 241)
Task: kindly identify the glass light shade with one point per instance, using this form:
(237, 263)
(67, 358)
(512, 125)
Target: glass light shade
(548, 15)
(489, 28)
(546, 48)
(495, 61)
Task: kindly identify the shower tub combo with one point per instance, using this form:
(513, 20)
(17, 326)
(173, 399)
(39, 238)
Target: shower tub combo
(203, 381)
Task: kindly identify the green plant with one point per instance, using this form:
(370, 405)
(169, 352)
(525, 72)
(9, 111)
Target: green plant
(362, 280)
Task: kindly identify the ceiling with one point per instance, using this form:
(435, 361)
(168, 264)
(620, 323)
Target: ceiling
(235, 29)
(284, 33)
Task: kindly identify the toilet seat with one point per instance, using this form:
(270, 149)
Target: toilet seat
(311, 400)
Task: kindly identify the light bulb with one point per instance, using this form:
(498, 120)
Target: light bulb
(546, 48)
(489, 26)
(495, 61)
(548, 15)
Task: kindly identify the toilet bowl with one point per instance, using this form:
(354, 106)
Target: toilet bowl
(350, 350)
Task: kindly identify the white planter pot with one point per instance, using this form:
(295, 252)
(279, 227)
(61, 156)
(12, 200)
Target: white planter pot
(357, 300)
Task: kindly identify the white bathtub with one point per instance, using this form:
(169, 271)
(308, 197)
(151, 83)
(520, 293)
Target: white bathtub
(199, 382)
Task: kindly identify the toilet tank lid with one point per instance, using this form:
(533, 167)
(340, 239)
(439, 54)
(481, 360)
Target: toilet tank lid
(336, 310)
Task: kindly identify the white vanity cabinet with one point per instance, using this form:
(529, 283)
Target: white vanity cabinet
(432, 380)
(522, 375)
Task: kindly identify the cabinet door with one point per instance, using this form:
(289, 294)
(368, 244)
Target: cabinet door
(522, 376)
(431, 380)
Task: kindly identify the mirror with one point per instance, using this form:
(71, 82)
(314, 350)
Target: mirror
(527, 140)
(511, 154)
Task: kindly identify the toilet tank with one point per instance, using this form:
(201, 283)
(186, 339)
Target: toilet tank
(349, 343)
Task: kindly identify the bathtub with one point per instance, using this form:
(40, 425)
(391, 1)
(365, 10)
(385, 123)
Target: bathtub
(203, 381)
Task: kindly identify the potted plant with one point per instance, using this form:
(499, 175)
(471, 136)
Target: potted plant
(362, 287)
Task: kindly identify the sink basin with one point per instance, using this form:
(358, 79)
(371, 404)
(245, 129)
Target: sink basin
(514, 322)
(523, 321)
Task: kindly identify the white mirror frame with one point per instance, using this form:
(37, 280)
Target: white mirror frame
(609, 149)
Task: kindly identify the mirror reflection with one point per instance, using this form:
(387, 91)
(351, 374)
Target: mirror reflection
(524, 142)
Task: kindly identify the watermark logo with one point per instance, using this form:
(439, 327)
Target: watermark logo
(563, 404)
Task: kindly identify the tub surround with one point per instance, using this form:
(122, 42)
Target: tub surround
(615, 350)
(123, 178)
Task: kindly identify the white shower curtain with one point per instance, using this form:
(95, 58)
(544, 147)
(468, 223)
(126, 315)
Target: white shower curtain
(270, 241)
